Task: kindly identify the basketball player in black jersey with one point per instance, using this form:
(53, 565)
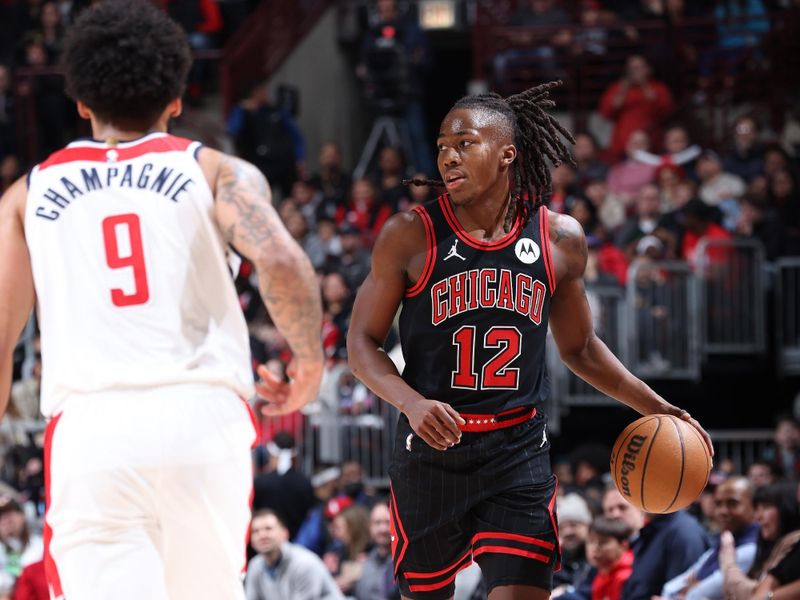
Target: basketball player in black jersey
(480, 272)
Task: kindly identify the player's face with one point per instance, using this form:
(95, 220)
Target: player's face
(474, 154)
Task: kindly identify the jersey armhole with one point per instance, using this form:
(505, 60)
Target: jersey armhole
(544, 235)
(430, 253)
(194, 149)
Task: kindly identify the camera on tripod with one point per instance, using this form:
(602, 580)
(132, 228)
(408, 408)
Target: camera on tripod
(387, 82)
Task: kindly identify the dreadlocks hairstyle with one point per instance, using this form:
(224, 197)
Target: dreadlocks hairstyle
(536, 136)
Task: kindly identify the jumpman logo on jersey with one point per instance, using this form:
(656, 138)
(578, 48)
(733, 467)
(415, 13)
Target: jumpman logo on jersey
(454, 252)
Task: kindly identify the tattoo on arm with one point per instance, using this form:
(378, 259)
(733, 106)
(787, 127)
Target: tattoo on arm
(561, 234)
(286, 280)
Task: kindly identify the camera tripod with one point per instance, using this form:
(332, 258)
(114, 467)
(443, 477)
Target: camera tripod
(396, 131)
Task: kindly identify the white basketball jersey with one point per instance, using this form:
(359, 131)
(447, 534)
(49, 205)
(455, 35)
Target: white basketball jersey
(130, 270)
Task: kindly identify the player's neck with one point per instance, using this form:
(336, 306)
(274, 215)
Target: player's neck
(487, 216)
(111, 134)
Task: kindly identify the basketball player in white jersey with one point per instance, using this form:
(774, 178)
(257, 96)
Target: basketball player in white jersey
(122, 242)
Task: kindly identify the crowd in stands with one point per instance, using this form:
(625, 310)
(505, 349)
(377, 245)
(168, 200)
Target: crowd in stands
(654, 190)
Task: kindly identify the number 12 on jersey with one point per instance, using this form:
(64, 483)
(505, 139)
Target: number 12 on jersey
(496, 373)
(129, 226)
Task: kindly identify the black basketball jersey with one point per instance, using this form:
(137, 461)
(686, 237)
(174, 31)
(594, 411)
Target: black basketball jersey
(473, 327)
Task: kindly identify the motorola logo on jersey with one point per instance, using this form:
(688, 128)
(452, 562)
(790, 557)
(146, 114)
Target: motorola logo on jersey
(527, 250)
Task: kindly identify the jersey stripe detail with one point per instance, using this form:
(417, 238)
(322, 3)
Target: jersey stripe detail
(463, 563)
(551, 509)
(430, 254)
(167, 143)
(400, 541)
(465, 237)
(544, 230)
(516, 537)
(511, 550)
(50, 569)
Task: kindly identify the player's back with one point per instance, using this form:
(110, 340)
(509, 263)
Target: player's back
(130, 271)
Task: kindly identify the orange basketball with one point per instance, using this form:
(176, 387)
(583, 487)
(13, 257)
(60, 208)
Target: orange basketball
(660, 463)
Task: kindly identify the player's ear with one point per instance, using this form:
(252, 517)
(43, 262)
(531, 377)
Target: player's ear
(83, 110)
(508, 155)
(174, 108)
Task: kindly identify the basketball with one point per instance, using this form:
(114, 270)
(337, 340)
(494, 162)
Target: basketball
(660, 463)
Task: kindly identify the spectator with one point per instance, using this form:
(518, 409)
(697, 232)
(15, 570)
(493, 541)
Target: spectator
(421, 194)
(716, 186)
(775, 159)
(740, 25)
(583, 211)
(7, 125)
(678, 151)
(576, 574)
(282, 570)
(313, 533)
(698, 225)
(616, 507)
(332, 180)
(672, 221)
(337, 302)
(668, 179)
(19, 547)
(308, 201)
(608, 550)
(51, 31)
(734, 513)
(366, 211)
(746, 159)
(648, 212)
(609, 208)
(636, 102)
(585, 152)
(283, 488)
(395, 59)
(345, 555)
(563, 188)
(377, 578)
(297, 226)
(625, 179)
(785, 199)
(267, 136)
(392, 190)
(761, 473)
(537, 46)
(32, 583)
(756, 221)
(785, 454)
(777, 561)
(667, 545)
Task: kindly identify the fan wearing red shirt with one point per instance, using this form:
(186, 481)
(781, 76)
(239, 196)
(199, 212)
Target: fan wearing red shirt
(635, 102)
(699, 226)
(366, 211)
(607, 548)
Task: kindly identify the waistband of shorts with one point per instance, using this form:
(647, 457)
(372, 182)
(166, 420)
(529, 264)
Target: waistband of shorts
(507, 418)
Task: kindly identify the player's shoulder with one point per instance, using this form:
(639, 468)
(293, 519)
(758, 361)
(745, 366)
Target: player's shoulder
(12, 201)
(223, 169)
(568, 244)
(402, 229)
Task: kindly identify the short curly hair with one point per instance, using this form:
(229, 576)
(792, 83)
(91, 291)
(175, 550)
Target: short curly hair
(126, 60)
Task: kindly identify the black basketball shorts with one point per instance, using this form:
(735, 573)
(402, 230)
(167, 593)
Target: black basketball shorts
(490, 498)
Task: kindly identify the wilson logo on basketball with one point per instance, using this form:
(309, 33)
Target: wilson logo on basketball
(629, 461)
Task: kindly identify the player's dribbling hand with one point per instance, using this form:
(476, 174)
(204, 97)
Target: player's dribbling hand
(287, 397)
(684, 414)
(437, 423)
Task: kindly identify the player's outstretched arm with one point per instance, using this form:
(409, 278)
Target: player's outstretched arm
(16, 282)
(286, 279)
(399, 246)
(571, 324)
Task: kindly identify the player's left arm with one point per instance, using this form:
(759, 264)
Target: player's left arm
(16, 282)
(571, 324)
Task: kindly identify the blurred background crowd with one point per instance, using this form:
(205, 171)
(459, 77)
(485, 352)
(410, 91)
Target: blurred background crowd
(687, 133)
